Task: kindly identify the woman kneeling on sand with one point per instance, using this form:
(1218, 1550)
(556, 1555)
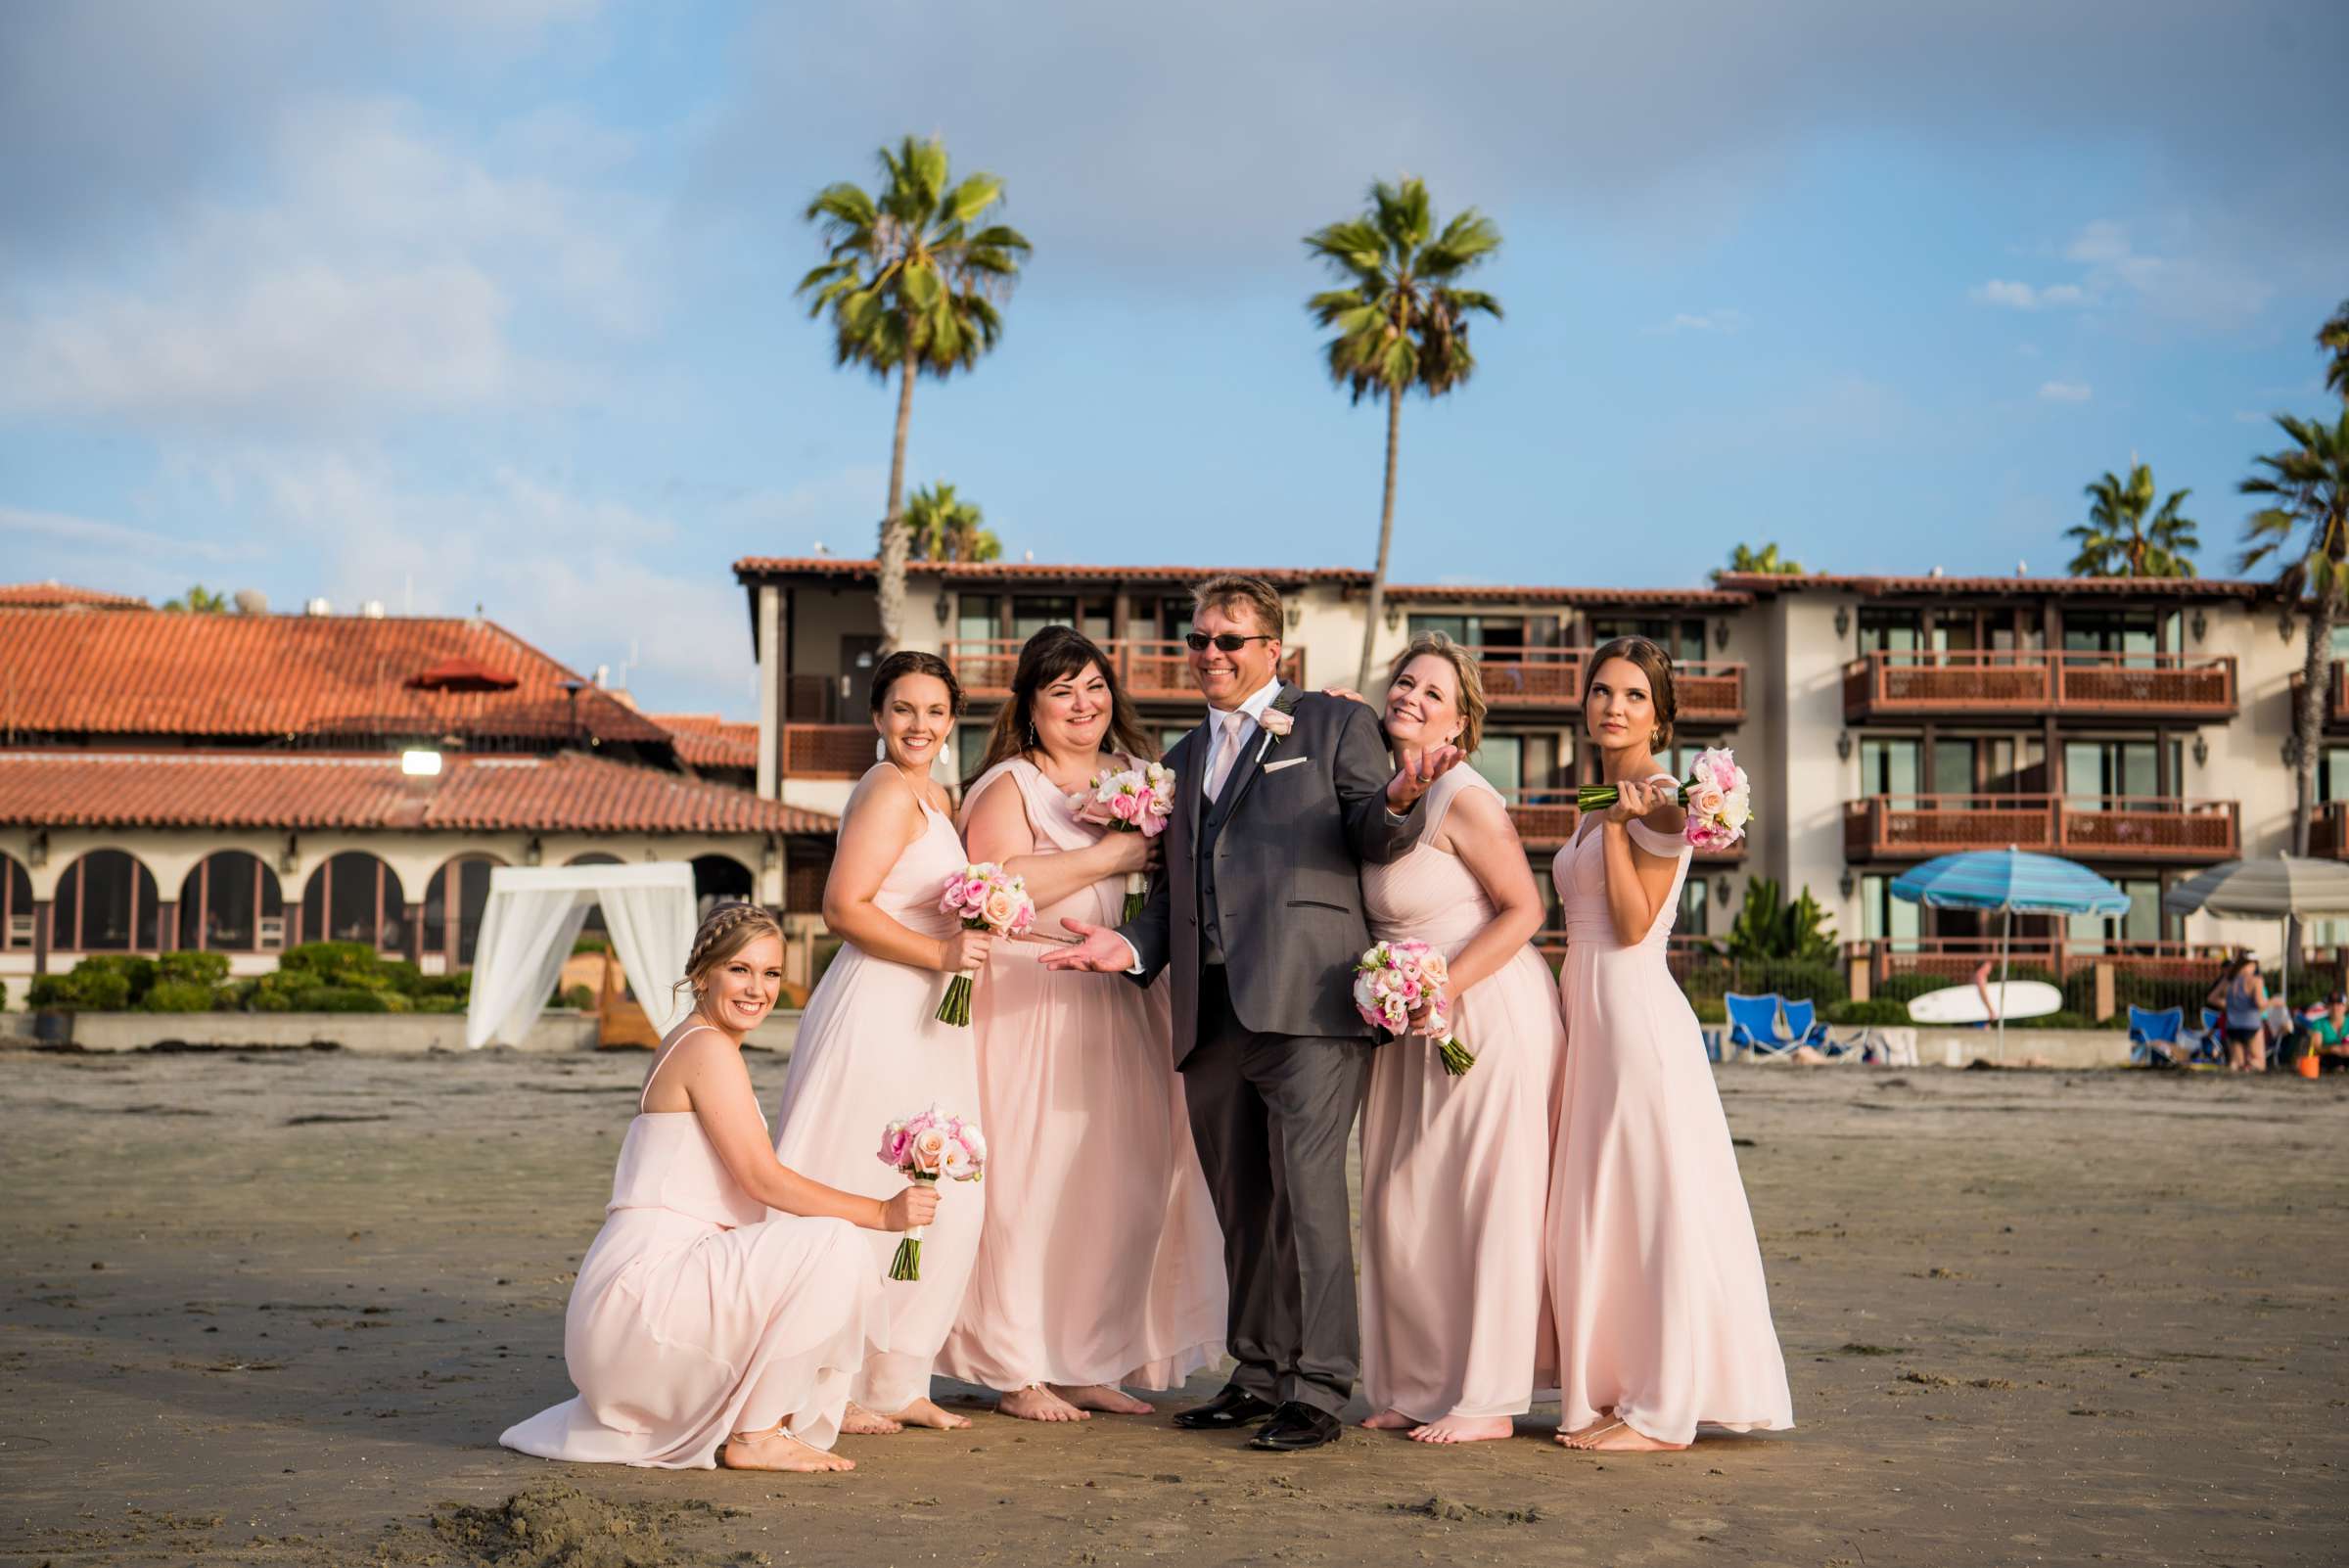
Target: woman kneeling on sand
(703, 1330)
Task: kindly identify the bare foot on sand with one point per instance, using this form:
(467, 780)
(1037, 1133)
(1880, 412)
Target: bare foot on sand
(921, 1412)
(1615, 1437)
(777, 1450)
(857, 1421)
(1465, 1429)
(1037, 1403)
(1107, 1398)
(1389, 1421)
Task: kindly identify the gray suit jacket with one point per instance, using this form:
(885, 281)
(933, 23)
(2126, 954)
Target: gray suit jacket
(1288, 871)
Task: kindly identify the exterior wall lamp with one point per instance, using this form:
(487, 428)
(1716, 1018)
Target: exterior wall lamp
(1721, 633)
(1843, 745)
(1846, 883)
(941, 607)
(2201, 749)
(37, 850)
(1394, 616)
(532, 852)
(2199, 625)
(1843, 619)
(288, 858)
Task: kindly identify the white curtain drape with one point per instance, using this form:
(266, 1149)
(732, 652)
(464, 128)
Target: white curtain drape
(534, 914)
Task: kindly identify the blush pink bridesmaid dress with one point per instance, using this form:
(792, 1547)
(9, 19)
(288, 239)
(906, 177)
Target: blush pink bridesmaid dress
(871, 1051)
(696, 1315)
(1100, 1261)
(1663, 1313)
(1455, 1171)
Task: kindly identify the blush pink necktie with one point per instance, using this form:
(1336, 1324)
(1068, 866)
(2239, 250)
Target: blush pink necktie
(1228, 750)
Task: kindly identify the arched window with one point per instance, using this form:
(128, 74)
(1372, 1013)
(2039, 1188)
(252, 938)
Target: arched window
(231, 902)
(354, 898)
(594, 925)
(453, 902)
(718, 879)
(106, 903)
(16, 904)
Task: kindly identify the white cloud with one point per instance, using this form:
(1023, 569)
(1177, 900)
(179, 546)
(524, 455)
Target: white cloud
(2023, 297)
(2065, 391)
(385, 272)
(1706, 321)
(104, 543)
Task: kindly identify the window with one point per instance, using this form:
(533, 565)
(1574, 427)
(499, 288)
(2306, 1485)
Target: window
(16, 904)
(1883, 916)
(1953, 767)
(1888, 766)
(354, 898)
(981, 617)
(1682, 637)
(2119, 631)
(2332, 774)
(231, 902)
(1167, 737)
(2141, 923)
(453, 903)
(1890, 630)
(2113, 767)
(718, 879)
(970, 748)
(106, 903)
(1501, 761)
(1491, 631)
(1032, 613)
(1696, 906)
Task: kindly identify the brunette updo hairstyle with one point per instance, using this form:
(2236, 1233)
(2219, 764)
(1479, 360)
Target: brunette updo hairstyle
(1055, 654)
(1656, 664)
(724, 932)
(1467, 677)
(905, 662)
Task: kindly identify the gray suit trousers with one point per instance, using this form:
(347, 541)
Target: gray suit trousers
(1271, 1115)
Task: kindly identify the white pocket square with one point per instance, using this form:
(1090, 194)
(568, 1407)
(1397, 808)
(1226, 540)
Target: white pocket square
(1286, 761)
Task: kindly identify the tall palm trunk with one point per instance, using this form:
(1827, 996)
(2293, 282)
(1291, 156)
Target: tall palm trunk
(892, 522)
(2316, 697)
(1386, 536)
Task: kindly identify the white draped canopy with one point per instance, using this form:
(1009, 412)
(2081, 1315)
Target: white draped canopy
(534, 914)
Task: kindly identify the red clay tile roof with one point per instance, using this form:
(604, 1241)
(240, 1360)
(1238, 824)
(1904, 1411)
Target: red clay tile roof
(2002, 587)
(154, 672)
(60, 595)
(1043, 574)
(707, 740)
(569, 793)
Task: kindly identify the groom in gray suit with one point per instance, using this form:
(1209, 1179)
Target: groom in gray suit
(1282, 795)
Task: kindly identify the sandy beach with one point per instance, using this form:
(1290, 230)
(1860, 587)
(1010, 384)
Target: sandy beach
(273, 1308)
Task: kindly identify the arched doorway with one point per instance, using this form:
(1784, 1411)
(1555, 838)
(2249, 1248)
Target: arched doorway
(718, 879)
(453, 902)
(16, 904)
(105, 903)
(231, 902)
(354, 898)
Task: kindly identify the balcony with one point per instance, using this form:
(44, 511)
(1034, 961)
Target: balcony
(2145, 828)
(1546, 820)
(2328, 831)
(2335, 718)
(1955, 958)
(1149, 671)
(828, 751)
(1710, 692)
(1975, 685)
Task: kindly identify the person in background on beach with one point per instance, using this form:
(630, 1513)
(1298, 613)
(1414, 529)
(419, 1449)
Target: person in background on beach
(871, 1048)
(727, 1302)
(1100, 1262)
(1989, 1003)
(2329, 1032)
(1655, 1277)
(2240, 999)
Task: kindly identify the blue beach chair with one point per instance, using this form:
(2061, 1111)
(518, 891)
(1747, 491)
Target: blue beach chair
(1754, 1024)
(2149, 1032)
(1801, 1030)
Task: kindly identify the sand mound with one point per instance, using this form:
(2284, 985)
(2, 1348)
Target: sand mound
(561, 1527)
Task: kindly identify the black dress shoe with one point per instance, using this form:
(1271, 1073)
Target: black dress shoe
(1296, 1426)
(1233, 1406)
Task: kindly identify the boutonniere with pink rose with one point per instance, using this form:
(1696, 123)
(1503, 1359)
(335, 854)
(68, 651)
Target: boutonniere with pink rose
(1276, 722)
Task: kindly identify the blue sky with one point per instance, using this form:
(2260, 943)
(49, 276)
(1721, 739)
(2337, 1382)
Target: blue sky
(488, 300)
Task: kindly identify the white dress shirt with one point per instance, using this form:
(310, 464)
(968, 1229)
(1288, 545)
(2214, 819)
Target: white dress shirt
(1248, 715)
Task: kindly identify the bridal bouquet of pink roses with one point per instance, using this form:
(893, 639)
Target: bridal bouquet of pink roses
(987, 897)
(1392, 980)
(1129, 800)
(925, 1148)
(1715, 795)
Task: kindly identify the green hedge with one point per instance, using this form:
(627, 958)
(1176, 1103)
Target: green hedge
(328, 977)
(1881, 1010)
(178, 997)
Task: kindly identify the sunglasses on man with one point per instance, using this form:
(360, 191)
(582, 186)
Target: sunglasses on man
(1228, 641)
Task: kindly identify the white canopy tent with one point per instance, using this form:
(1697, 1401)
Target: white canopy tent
(534, 914)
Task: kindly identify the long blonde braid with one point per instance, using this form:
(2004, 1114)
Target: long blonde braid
(724, 932)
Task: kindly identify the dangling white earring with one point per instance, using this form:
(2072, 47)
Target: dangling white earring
(880, 750)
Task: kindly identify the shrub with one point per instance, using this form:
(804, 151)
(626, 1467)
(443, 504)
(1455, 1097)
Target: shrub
(235, 997)
(103, 988)
(578, 998)
(178, 997)
(200, 968)
(337, 1000)
(135, 973)
(439, 1004)
(272, 1000)
(1906, 988)
(3, 995)
(325, 957)
(1710, 1009)
(1879, 1010)
(590, 942)
(458, 986)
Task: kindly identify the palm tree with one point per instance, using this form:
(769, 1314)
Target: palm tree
(911, 284)
(1401, 323)
(199, 600)
(2305, 531)
(2118, 540)
(942, 527)
(2333, 339)
(1765, 562)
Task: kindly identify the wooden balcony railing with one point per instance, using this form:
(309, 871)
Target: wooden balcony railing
(828, 751)
(2336, 696)
(1916, 827)
(2328, 831)
(1955, 958)
(1531, 677)
(1150, 672)
(2121, 685)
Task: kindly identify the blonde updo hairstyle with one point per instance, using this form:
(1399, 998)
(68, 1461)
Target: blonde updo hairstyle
(724, 932)
(1653, 663)
(1466, 676)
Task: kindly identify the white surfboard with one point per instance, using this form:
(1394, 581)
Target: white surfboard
(1962, 1005)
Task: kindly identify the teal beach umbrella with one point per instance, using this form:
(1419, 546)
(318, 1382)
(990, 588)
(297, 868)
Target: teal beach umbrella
(2009, 882)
